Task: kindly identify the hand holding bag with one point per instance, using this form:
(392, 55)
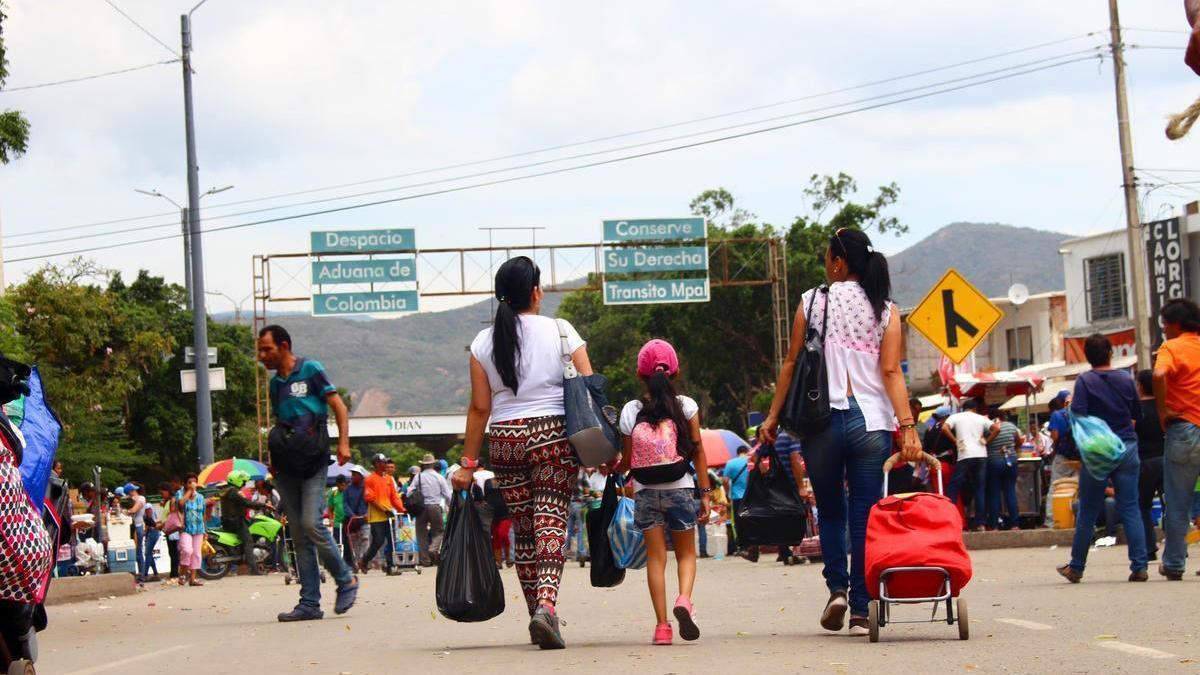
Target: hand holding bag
(604, 570)
(806, 409)
(468, 584)
(591, 421)
(771, 512)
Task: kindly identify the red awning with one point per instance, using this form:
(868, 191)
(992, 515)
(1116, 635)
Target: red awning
(1001, 383)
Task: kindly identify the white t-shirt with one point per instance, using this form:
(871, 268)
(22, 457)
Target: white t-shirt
(629, 420)
(138, 510)
(539, 371)
(969, 430)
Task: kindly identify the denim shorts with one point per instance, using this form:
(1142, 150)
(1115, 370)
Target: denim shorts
(673, 509)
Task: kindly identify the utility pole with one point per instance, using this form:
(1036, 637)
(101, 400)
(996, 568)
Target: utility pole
(1133, 220)
(187, 258)
(204, 421)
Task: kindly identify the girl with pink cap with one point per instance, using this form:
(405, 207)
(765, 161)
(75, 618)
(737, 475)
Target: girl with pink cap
(663, 453)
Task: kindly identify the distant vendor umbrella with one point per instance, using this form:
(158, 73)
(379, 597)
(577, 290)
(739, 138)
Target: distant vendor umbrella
(217, 472)
(335, 470)
(720, 446)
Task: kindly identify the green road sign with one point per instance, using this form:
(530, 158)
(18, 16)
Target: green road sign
(655, 259)
(655, 229)
(655, 291)
(364, 241)
(379, 302)
(326, 272)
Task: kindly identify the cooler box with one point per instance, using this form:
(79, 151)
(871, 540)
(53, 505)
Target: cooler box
(122, 559)
(1064, 515)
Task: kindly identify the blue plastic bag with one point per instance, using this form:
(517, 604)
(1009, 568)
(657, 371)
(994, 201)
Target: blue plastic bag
(1102, 451)
(625, 539)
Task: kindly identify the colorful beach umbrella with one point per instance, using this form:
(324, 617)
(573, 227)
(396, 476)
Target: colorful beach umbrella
(720, 446)
(217, 472)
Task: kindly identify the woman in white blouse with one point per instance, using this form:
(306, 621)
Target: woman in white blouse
(866, 389)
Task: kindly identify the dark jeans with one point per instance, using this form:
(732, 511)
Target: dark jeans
(242, 529)
(152, 536)
(173, 554)
(973, 473)
(381, 537)
(1091, 500)
(347, 549)
(703, 546)
(1002, 481)
(1150, 483)
(843, 456)
(139, 543)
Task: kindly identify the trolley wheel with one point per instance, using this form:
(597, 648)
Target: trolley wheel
(964, 624)
(21, 667)
(418, 570)
(873, 621)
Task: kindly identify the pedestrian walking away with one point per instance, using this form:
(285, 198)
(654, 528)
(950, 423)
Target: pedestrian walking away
(1177, 397)
(662, 450)
(1111, 396)
(1003, 439)
(862, 348)
(516, 370)
(1150, 453)
(435, 495)
(301, 398)
(968, 430)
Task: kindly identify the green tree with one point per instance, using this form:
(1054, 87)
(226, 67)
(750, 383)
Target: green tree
(14, 128)
(726, 346)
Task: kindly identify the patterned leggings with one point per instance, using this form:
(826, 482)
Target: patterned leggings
(535, 468)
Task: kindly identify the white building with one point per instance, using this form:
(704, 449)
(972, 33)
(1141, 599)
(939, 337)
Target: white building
(1098, 280)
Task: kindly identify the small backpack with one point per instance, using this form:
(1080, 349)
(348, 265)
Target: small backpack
(655, 457)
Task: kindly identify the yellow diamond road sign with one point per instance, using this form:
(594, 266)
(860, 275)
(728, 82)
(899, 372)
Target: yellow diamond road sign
(955, 316)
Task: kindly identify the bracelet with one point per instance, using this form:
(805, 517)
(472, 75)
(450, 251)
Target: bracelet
(707, 490)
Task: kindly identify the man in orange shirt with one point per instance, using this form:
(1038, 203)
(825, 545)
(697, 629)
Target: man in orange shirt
(382, 501)
(1177, 390)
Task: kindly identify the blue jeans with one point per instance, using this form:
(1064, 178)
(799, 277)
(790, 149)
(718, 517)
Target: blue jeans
(973, 471)
(846, 455)
(575, 527)
(139, 540)
(1091, 500)
(1181, 466)
(152, 537)
(303, 501)
(1002, 482)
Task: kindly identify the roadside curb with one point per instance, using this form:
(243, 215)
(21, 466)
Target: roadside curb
(65, 590)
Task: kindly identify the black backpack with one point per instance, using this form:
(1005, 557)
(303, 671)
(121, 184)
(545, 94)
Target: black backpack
(806, 409)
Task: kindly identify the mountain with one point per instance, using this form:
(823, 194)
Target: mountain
(990, 255)
(412, 364)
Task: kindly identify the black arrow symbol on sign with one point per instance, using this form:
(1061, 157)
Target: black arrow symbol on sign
(954, 320)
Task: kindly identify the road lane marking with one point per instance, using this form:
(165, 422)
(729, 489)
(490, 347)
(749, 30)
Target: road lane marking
(111, 665)
(1022, 623)
(1135, 650)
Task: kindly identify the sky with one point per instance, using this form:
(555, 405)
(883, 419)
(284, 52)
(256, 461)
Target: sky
(303, 95)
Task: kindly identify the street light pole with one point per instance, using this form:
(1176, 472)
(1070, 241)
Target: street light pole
(204, 421)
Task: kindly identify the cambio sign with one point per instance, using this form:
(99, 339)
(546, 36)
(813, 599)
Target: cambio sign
(1167, 267)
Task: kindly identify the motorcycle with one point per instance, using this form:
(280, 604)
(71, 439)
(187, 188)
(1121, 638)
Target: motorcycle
(226, 547)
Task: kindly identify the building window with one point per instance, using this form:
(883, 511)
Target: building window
(1105, 278)
(1020, 346)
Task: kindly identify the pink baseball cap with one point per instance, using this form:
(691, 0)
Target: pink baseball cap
(657, 355)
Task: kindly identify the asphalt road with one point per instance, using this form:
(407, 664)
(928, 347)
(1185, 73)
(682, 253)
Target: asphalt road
(754, 618)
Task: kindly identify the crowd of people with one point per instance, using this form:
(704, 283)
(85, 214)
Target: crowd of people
(534, 495)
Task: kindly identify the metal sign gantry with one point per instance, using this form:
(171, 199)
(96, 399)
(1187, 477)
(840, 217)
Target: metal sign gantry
(443, 272)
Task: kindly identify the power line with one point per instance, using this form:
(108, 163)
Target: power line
(550, 172)
(88, 77)
(1156, 30)
(142, 28)
(1092, 51)
(601, 139)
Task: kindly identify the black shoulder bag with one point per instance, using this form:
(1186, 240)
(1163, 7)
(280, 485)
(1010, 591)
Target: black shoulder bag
(806, 409)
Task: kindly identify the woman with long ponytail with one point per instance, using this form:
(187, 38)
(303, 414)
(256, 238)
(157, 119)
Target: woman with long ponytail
(868, 400)
(517, 382)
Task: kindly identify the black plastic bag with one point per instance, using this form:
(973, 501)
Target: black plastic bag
(605, 573)
(771, 512)
(468, 584)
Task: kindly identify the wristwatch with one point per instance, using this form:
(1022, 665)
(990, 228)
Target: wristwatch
(468, 462)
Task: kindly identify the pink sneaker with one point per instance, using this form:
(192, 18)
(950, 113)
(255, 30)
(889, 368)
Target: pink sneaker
(662, 634)
(685, 615)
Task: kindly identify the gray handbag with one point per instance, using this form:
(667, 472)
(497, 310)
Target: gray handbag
(591, 421)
